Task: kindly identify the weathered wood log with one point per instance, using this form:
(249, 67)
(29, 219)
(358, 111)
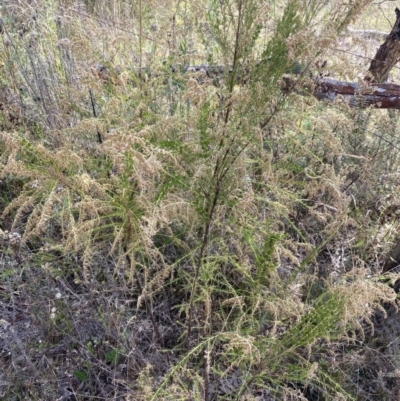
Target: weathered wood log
(378, 95)
(388, 54)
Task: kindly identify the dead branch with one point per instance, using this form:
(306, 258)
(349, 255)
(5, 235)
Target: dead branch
(367, 33)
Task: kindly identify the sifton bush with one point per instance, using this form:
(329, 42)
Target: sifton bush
(188, 233)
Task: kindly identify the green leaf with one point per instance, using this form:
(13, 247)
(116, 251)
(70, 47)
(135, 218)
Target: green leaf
(81, 375)
(113, 355)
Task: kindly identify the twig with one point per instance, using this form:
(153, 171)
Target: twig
(95, 115)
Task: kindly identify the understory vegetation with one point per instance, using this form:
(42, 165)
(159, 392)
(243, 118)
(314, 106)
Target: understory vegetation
(176, 232)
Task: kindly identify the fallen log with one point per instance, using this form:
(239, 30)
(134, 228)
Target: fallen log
(379, 95)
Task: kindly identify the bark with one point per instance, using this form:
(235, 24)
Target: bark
(378, 95)
(393, 260)
(388, 54)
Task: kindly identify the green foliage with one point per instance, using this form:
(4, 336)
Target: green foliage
(275, 58)
(323, 321)
(81, 375)
(113, 355)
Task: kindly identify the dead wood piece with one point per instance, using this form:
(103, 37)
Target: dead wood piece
(388, 54)
(378, 95)
(394, 259)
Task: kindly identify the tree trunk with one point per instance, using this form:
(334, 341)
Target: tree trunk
(388, 54)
